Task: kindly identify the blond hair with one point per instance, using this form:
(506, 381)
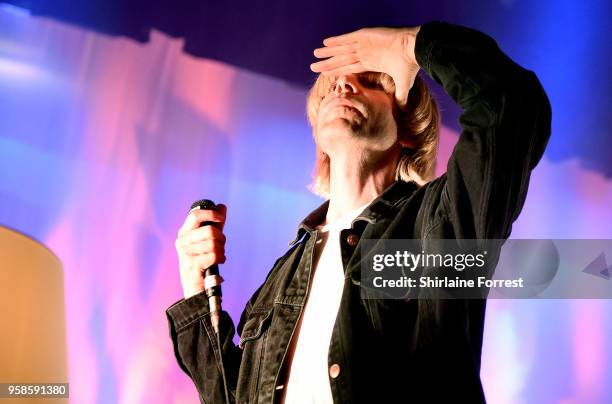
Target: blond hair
(419, 119)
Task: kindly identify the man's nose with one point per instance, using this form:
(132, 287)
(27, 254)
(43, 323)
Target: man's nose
(345, 84)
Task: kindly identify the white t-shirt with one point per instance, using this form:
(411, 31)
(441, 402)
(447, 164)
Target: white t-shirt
(308, 379)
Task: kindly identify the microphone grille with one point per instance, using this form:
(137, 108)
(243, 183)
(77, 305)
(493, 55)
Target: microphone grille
(203, 204)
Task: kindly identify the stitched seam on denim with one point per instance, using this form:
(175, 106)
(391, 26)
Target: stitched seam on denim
(213, 343)
(525, 168)
(489, 174)
(429, 227)
(288, 304)
(262, 351)
(491, 147)
(191, 322)
(258, 332)
(435, 224)
(490, 168)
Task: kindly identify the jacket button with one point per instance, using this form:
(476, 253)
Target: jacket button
(334, 370)
(352, 239)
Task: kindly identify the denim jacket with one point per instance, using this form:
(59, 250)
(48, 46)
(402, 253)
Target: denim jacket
(393, 351)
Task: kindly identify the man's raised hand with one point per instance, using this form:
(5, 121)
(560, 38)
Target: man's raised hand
(386, 50)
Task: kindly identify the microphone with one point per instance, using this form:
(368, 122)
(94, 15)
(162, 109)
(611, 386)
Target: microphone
(212, 286)
(212, 280)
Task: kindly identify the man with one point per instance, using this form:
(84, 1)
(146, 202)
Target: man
(306, 335)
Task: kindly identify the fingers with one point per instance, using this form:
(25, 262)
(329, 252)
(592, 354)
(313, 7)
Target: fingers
(201, 262)
(330, 51)
(197, 216)
(201, 234)
(343, 39)
(215, 247)
(335, 62)
(352, 68)
(199, 248)
(223, 210)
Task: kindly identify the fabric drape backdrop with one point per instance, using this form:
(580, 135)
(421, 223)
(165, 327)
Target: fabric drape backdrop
(104, 144)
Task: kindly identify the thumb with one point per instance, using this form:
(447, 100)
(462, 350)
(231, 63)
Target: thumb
(401, 95)
(402, 90)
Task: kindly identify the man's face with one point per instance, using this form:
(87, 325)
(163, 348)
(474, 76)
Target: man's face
(356, 111)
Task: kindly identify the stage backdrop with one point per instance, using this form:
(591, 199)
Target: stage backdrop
(104, 144)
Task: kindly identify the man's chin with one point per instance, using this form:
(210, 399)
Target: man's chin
(340, 134)
(344, 125)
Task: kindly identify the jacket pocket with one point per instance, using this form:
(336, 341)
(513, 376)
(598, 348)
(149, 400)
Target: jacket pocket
(255, 325)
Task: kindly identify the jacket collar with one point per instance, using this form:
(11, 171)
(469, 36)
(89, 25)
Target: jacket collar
(379, 208)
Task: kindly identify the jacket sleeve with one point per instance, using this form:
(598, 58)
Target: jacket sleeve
(196, 349)
(195, 343)
(505, 127)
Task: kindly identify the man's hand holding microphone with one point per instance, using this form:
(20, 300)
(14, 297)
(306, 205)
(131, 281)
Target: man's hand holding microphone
(200, 245)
